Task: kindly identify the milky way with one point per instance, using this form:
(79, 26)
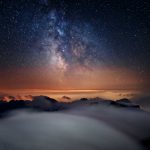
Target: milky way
(64, 44)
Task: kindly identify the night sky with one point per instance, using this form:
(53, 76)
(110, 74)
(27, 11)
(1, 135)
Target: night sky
(80, 44)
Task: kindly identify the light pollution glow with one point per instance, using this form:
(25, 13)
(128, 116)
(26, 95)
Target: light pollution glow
(78, 78)
(28, 94)
(112, 83)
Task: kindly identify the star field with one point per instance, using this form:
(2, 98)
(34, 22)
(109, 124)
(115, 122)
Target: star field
(76, 37)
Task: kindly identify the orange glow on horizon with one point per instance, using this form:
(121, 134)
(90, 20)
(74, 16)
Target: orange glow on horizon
(77, 78)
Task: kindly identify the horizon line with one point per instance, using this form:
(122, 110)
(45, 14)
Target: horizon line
(59, 90)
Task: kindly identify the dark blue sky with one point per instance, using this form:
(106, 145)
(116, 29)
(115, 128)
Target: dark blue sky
(68, 34)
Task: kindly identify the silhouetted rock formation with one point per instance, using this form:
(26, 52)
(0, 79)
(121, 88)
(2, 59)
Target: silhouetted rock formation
(125, 103)
(11, 105)
(124, 100)
(44, 103)
(83, 99)
(66, 98)
(39, 103)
